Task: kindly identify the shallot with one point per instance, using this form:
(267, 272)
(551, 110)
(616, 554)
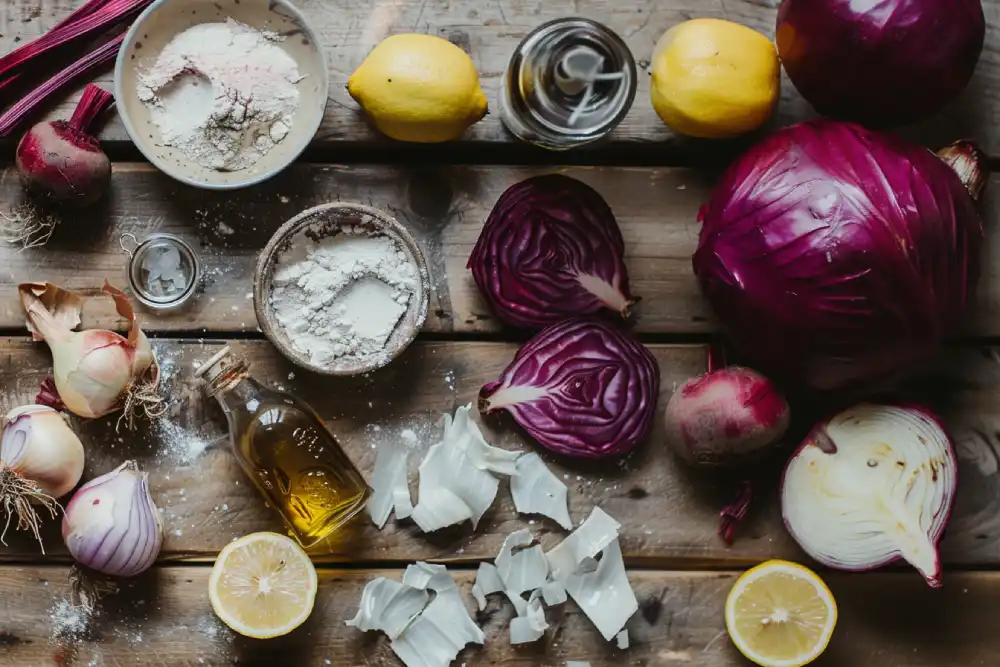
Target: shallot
(872, 485)
(41, 459)
(111, 524)
(96, 372)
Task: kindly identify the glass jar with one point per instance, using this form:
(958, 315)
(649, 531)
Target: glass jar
(570, 82)
(163, 270)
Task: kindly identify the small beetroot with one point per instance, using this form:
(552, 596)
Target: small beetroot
(61, 161)
(725, 416)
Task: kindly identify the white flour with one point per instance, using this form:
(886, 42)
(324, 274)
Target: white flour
(342, 298)
(222, 93)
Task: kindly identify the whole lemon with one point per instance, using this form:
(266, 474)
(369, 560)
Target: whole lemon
(419, 88)
(714, 79)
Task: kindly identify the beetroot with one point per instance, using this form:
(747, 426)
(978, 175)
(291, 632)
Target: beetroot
(725, 416)
(61, 160)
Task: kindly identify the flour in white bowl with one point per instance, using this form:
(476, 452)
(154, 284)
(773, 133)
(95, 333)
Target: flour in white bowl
(223, 94)
(341, 298)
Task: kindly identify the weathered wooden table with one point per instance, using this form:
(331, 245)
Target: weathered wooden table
(680, 569)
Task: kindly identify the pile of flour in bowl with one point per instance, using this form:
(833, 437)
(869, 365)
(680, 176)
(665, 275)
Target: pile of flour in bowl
(341, 298)
(223, 94)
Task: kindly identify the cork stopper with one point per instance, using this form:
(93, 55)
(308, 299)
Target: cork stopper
(213, 369)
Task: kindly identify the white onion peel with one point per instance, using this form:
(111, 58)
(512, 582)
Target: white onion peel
(536, 490)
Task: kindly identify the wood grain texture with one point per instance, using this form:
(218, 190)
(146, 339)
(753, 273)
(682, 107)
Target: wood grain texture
(445, 208)
(668, 512)
(164, 618)
(489, 31)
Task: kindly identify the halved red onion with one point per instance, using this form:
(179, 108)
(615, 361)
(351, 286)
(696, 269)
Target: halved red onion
(870, 486)
(551, 249)
(582, 387)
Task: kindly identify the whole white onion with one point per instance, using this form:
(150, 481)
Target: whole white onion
(38, 444)
(872, 485)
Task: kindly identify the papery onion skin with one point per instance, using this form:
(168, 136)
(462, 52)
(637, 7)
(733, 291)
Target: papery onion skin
(38, 444)
(551, 249)
(884, 63)
(582, 388)
(94, 371)
(937, 463)
(725, 417)
(111, 524)
(835, 256)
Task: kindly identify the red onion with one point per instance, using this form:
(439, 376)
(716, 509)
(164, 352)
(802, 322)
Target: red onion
(725, 416)
(836, 256)
(551, 249)
(870, 486)
(889, 62)
(583, 388)
(111, 524)
(61, 161)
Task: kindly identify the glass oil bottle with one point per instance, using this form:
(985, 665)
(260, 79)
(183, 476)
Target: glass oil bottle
(283, 446)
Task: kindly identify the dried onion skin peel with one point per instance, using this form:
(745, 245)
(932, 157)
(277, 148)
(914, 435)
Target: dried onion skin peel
(870, 486)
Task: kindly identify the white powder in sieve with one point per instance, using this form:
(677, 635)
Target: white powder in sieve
(341, 298)
(223, 94)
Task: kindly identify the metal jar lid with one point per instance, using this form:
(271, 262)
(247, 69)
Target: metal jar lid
(570, 82)
(163, 270)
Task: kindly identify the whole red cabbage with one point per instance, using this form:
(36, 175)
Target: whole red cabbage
(581, 387)
(880, 62)
(836, 255)
(551, 249)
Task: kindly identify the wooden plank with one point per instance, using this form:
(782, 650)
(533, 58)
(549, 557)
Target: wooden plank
(164, 618)
(490, 31)
(669, 514)
(445, 207)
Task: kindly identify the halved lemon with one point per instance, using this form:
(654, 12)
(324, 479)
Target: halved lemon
(780, 614)
(263, 585)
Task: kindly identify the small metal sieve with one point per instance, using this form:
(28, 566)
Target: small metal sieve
(163, 270)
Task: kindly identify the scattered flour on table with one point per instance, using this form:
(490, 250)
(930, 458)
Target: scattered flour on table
(341, 298)
(223, 94)
(177, 441)
(69, 621)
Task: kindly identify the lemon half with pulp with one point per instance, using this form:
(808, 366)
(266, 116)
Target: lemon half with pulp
(780, 614)
(263, 585)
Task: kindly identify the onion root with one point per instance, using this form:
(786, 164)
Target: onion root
(19, 496)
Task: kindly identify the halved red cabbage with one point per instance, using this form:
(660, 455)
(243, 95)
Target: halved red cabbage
(581, 387)
(551, 249)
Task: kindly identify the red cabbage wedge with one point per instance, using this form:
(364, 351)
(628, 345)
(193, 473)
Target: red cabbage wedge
(582, 388)
(880, 62)
(836, 255)
(551, 249)
(870, 486)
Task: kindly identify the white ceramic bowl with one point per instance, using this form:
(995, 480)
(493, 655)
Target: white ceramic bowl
(161, 22)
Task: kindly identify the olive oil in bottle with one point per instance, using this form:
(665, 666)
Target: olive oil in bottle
(285, 449)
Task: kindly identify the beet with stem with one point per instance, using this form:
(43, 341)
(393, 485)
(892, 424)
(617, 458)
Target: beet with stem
(61, 161)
